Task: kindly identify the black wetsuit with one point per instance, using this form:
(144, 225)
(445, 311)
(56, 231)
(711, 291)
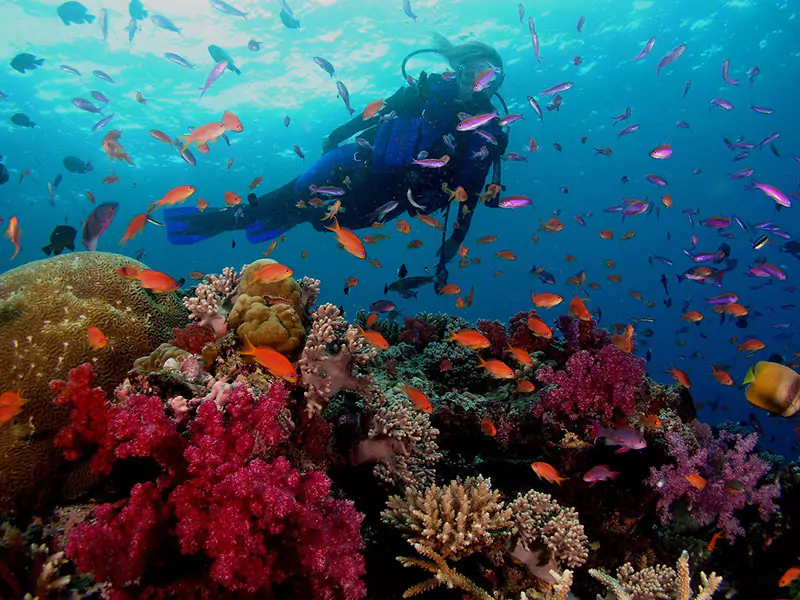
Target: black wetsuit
(425, 115)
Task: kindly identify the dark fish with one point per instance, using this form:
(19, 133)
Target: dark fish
(186, 155)
(408, 294)
(402, 271)
(219, 55)
(74, 12)
(254, 45)
(57, 180)
(227, 9)
(97, 223)
(3, 174)
(344, 95)
(104, 76)
(22, 120)
(100, 97)
(543, 275)
(289, 21)
(664, 283)
(407, 283)
(136, 10)
(326, 65)
(382, 306)
(649, 355)
(26, 62)
(252, 199)
(63, 236)
(86, 105)
(73, 164)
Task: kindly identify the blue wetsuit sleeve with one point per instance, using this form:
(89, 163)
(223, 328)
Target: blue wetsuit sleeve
(357, 124)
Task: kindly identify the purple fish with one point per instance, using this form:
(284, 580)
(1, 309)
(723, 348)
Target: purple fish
(485, 135)
(682, 125)
(686, 88)
(721, 102)
(344, 95)
(656, 180)
(514, 202)
(662, 259)
(614, 209)
(623, 116)
(646, 50)
(672, 56)
(103, 122)
(508, 119)
(778, 196)
(600, 473)
(580, 24)
(752, 73)
(100, 97)
(774, 272)
(557, 89)
(471, 123)
(716, 222)
(103, 76)
(86, 105)
(762, 110)
(326, 66)
(514, 157)
(382, 306)
(740, 223)
(536, 108)
(432, 163)
(218, 70)
(725, 65)
(97, 223)
(70, 70)
(326, 190)
(723, 300)
(628, 129)
(743, 145)
(534, 38)
(741, 156)
(637, 207)
(743, 174)
(625, 437)
(770, 138)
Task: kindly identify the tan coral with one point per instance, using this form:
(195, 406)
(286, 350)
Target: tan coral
(288, 289)
(158, 358)
(45, 309)
(278, 326)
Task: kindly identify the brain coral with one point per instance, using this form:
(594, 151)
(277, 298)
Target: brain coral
(269, 314)
(45, 309)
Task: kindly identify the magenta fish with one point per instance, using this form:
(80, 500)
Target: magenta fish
(637, 207)
(752, 73)
(487, 136)
(769, 139)
(326, 190)
(472, 123)
(623, 116)
(716, 222)
(682, 125)
(557, 89)
(778, 196)
(628, 129)
(600, 473)
(535, 106)
(721, 102)
(686, 88)
(508, 119)
(103, 122)
(534, 38)
(725, 66)
(97, 223)
(514, 202)
(762, 110)
(515, 157)
(218, 70)
(432, 163)
(671, 57)
(740, 156)
(86, 105)
(624, 437)
(656, 180)
(743, 174)
(646, 50)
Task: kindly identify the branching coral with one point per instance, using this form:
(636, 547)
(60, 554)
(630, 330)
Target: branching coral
(731, 472)
(592, 385)
(212, 299)
(332, 352)
(400, 439)
(658, 583)
(551, 536)
(443, 574)
(454, 520)
(309, 291)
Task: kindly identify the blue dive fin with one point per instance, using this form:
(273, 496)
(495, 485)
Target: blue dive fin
(258, 232)
(175, 223)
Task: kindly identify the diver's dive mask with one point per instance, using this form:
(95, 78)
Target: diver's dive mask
(480, 75)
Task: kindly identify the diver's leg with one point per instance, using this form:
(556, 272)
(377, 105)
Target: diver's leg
(268, 217)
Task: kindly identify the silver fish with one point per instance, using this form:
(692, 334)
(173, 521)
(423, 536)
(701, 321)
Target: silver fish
(227, 9)
(164, 23)
(178, 60)
(103, 122)
(103, 76)
(671, 57)
(344, 95)
(646, 50)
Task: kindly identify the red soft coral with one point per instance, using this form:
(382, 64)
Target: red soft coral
(496, 334)
(193, 337)
(418, 332)
(592, 384)
(520, 334)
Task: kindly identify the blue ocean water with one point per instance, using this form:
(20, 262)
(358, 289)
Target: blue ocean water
(366, 41)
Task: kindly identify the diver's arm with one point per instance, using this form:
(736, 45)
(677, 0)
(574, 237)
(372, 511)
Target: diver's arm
(357, 124)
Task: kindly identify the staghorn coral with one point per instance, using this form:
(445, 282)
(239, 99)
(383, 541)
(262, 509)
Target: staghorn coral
(45, 309)
(443, 574)
(400, 439)
(550, 534)
(658, 583)
(455, 520)
(332, 351)
(732, 472)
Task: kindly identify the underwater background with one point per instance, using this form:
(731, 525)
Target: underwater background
(366, 41)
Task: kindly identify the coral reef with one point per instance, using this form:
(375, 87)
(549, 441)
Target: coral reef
(211, 302)
(45, 309)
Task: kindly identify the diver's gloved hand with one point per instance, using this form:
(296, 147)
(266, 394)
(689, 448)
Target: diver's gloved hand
(328, 144)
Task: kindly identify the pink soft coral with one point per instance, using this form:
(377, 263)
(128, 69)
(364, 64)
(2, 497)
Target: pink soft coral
(732, 473)
(592, 384)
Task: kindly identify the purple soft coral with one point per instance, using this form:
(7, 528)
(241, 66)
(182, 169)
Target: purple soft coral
(732, 473)
(592, 385)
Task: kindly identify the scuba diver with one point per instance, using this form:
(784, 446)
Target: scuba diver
(383, 174)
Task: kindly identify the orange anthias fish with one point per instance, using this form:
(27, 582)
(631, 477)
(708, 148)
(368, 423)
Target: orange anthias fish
(487, 239)
(157, 281)
(752, 345)
(553, 225)
(679, 376)
(97, 339)
(721, 375)
(232, 122)
(110, 179)
(506, 255)
(713, 543)
(539, 328)
(606, 234)
(667, 201)
(372, 109)
(791, 574)
(403, 226)
(579, 279)
(210, 132)
(548, 472)
(650, 421)
(13, 233)
(374, 338)
(349, 240)
(10, 406)
(497, 368)
(490, 194)
(696, 481)
(520, 355)
(272, 273)
(272, 360)
(202, 204)
(254, 184)
(546, 300)
(174, 196)
(429, 221)
(470, 338)
(692, 316)
(578, 309)
(128, 271)
(459, 194)
(624, 341)
(272, 245)
(419, 399)
(451, 289)
(525, 387)
(333, 210)
(113, 148)
(232, 199)
(135, 227)
(487, 428)
(371, 319)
